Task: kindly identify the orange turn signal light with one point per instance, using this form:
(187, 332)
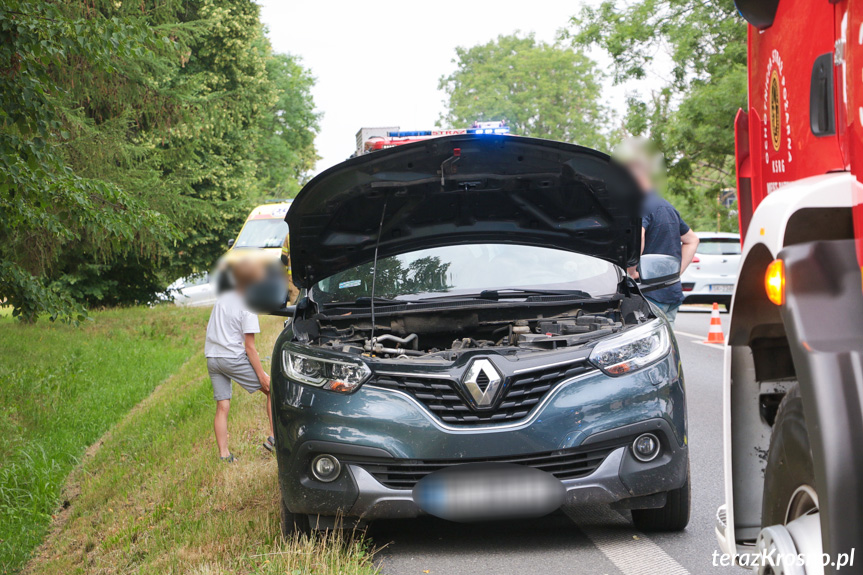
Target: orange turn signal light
(774, 282)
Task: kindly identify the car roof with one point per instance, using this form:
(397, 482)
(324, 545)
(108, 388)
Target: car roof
(717, 235)
(271, 210)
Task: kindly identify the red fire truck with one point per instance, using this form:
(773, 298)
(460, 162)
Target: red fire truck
(793, 391)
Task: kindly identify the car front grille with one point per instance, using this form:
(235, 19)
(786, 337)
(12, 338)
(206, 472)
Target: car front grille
(520, 395)
(564, 464)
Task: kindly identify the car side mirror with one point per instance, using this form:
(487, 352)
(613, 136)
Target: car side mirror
(658, 270)
(231, 243)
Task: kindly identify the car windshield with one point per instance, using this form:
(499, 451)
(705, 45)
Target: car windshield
(470, 269)
(196, 280)
(719, 247)
(269, 233)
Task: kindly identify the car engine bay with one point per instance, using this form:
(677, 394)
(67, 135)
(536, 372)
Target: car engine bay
(445, 333)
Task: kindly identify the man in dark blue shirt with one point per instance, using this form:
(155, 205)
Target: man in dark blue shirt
(663, 231)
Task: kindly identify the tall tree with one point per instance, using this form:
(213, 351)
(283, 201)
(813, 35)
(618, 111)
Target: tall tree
(288, 153)
(691, 118)
(44, 204)
(541, 90)
(155, 122)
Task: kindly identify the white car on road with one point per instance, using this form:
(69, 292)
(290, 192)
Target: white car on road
(713, 272)
(196, 290)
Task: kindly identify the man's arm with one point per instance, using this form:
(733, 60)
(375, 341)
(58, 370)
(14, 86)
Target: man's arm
(255, 360)
(687, 250)
(633, 271)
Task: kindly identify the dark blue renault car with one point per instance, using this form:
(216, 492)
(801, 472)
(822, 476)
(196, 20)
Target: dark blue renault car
(468, 344)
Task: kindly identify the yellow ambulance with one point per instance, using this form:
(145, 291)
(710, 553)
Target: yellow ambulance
(265, 235)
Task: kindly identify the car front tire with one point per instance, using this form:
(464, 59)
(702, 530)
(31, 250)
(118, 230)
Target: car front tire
(293, 523)
(673, 516)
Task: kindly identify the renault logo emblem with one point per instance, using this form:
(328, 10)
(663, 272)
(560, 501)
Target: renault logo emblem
(482, 382)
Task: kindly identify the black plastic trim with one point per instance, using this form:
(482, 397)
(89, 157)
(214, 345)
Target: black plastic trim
(822, 116)
(303, 493)
(823, 317)
(707, 298)
(759, 13)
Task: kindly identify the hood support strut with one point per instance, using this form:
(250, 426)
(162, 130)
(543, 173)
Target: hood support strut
(375, 269)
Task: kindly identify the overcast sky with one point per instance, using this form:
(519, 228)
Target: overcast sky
(378, 62)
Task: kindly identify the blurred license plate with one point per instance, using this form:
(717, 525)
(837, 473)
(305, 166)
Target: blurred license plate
(722, 288)
(480, 491)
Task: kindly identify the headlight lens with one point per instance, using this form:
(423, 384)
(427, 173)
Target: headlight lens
(343, 376)
(637, 348)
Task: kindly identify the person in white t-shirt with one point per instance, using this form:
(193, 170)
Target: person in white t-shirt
(231, 355)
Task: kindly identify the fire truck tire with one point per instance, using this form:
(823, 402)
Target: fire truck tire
(673, 516)
(789, 479)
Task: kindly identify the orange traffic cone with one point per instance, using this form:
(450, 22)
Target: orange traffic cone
(715, 334)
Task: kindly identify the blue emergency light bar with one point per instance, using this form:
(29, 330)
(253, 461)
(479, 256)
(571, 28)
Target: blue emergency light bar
(410, 134)
(430, 133)
(488, 131)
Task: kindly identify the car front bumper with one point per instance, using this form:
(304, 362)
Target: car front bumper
(378, 501)
(700, 289)
(377, 431)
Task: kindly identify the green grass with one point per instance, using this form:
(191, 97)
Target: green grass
(154, 497)
(63, 387)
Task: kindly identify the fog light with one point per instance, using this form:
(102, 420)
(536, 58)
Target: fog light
(645, 447)
(326, 468)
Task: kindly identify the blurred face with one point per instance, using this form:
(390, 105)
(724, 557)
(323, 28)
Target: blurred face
(644, 162)
(642, 175)
(246, 272)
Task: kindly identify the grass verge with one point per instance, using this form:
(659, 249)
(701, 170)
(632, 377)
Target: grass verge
(61, 388)
(154, 498)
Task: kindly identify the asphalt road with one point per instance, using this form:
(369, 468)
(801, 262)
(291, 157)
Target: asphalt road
(594, 541)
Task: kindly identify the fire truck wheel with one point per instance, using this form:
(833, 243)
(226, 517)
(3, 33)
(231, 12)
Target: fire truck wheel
(674, 516)
(789, 480)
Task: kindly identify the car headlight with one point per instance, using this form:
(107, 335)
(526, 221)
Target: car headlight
(343, 376)
(636, 348)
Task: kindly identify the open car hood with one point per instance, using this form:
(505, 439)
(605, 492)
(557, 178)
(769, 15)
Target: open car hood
(464, 189)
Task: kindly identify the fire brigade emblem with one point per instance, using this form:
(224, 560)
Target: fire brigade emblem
(776, 143)
(775, 112)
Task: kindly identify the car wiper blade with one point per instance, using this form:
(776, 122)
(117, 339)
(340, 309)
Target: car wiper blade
(365, 301)
(505, 293)
(511, 292)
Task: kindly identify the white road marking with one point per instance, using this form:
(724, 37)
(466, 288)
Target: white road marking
(699, 339)
(630, 551)
(687, 334)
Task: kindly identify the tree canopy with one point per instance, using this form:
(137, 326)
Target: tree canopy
(134, 138)
(541, 90)
(691, 118)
